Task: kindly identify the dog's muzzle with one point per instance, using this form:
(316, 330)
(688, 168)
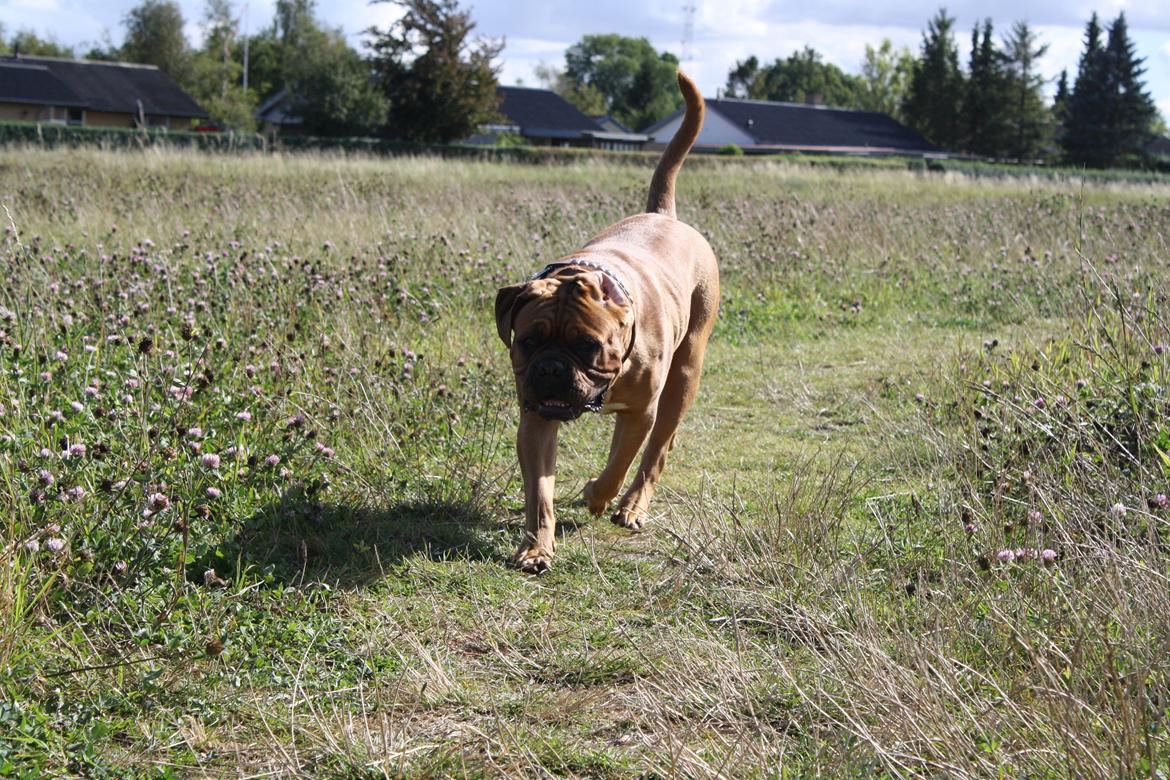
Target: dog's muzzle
(565, 411)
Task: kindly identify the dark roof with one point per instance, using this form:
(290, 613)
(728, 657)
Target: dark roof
(276, 109)
(802, 126)
(24, 82)
(544, 113)
(610, 123)
(796, 124)
(96, 86)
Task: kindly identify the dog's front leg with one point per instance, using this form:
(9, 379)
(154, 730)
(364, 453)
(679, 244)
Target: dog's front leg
(536, 443)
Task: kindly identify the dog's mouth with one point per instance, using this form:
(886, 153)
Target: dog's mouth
(556, 409)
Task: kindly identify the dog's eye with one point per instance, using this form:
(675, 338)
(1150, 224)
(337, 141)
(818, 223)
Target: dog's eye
(528, 343)
(589, 346)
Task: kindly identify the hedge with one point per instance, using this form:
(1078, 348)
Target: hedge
(52, 136)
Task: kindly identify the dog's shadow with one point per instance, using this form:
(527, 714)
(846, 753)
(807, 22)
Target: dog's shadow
(299, 539)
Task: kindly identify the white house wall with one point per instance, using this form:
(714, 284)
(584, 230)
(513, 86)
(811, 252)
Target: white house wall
(717, 131)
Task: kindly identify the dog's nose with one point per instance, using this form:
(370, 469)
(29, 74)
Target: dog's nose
(552, 368)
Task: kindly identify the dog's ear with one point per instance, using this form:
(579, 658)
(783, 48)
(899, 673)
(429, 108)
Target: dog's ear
(610, 289)
(508, 300)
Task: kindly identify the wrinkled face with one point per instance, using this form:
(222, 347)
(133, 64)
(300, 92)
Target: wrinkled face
(567, 336)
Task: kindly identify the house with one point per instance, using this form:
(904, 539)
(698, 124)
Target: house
(611, 124)
(275, 114)
(765, 127)
(544, 118)
(92, 93)
(1158, 147)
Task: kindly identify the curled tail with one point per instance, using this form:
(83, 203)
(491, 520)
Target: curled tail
(661, 199)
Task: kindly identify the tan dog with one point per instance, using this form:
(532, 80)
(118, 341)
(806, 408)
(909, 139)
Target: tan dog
(620, 325)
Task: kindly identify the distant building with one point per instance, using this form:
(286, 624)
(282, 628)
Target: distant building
(1158, 147)
(764, 127)
(93, 94)
(276, 116)
(543, 118)
(611, 124)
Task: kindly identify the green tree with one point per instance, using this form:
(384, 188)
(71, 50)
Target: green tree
(439, 84)
(1134, 113)
(1029, 124)
(331, 87)
(986, 101)
(215, 76)
(636, 82)
(295, 20)
(885, 78)
(154, 36)
(586, 97)
(802, 76)
(28, 42)
(1158, 126)
(266, 74)
(741, 80)
(105, 50)
(1084, 135)
(934, 101)
(1110, 115)
(1060, 99)
(273, 51)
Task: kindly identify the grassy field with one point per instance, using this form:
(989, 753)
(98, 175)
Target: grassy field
(260, 490)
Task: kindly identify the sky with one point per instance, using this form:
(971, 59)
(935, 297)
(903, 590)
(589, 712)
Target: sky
(539, 31)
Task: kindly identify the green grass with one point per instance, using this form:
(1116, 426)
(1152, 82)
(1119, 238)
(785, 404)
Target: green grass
(910, 373)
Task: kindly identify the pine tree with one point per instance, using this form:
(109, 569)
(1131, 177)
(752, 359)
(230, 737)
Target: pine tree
(1084, 132)
(985, 100)
(1059, 109)
(1060, 100)
(1109, 112)
(1028, 121)
(1134, 111)
(934, 101)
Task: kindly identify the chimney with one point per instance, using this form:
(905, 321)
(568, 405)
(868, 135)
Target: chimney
(815, 99)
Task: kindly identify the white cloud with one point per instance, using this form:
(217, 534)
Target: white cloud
(1064, 53)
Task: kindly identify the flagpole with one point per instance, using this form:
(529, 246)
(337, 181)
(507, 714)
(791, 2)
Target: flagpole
(245, 48)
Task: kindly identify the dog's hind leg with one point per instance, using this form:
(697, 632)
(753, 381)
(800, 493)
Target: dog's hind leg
(536, 444)
(678, 394)
(629, 433)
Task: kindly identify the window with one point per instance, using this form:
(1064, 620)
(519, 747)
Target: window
(63, 115)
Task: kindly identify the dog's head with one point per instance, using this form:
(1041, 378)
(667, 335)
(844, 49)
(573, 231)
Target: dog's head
(568, 336)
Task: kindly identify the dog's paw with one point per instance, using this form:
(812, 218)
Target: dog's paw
(594, 500)
(628, 518)
(532, 559)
